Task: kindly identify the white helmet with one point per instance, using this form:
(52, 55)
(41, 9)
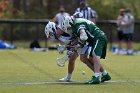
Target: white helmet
(78, 15)
(66, 23)
(50, 30)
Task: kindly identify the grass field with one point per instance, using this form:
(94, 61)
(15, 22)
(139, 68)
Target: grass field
(25, 71)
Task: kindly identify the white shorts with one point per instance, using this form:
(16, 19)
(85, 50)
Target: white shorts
(82, 50)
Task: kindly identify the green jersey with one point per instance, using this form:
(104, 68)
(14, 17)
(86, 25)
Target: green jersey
(92, 31)
(97, 40)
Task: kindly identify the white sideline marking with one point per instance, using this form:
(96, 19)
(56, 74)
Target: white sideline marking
(75, 82)
(124, 81)
(37, 83)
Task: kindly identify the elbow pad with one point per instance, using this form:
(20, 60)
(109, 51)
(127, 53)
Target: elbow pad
(83, 35)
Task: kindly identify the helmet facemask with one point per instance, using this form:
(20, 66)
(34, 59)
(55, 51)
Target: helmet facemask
(50, 30)
(66, 24)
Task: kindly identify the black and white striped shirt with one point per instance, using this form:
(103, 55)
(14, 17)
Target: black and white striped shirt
(88, 13)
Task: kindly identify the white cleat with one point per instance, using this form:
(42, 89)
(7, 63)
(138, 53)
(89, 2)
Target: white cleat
(65, 79)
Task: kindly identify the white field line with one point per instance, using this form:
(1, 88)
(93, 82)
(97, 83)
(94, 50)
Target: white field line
(57, 82)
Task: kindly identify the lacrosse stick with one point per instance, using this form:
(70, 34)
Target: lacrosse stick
(61, 48)
(61, 61)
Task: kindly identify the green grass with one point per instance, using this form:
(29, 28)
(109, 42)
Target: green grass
(43, 43)
(136, 45)
(26, 44)
(20, 66)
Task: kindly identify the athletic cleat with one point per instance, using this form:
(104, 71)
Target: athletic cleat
(105, 78)
(94, 80)
(65, 79)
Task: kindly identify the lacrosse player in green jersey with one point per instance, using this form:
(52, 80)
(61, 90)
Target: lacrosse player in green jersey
(89, 34)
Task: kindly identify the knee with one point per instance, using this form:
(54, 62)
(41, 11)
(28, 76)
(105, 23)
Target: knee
(73, 58)
(83, 59)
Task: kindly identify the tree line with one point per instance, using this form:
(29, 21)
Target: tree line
(46, 9)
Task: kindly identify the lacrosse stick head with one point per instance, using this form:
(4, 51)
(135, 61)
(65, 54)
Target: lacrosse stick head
(61, 61)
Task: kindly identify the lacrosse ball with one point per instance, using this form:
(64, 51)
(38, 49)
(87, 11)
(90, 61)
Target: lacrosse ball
(83, 72)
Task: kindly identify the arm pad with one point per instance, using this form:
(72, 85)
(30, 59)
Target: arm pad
(83, 35)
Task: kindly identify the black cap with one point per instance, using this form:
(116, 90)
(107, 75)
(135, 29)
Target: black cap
(127, 10)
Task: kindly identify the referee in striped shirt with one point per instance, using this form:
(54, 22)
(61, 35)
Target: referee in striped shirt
(87, 12)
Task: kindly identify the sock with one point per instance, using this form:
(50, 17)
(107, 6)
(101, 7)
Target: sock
(96, 74)
(104, 72)
(69, 76)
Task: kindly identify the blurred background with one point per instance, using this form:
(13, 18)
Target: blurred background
(22, 21)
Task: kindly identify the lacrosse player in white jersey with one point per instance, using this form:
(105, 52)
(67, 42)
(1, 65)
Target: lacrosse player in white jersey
(55, 32)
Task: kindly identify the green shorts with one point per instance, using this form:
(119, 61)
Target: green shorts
(98, 48)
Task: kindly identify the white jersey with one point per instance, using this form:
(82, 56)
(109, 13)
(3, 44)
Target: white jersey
(60, 16)
(88, 13)
(65, 39)
(130, 19)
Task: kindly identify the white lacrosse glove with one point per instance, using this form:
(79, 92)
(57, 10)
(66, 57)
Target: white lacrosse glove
(77, 46)
(61, 61)
(61, 48)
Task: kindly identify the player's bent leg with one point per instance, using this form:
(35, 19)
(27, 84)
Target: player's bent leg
(71, 66)
(71, 63)
(96, 62)
(85, 60)
(105, 75)
(96, 77)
